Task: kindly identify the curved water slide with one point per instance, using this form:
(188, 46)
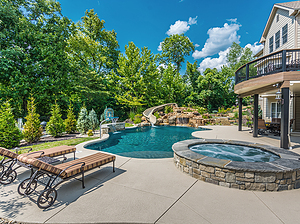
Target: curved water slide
(148, 113)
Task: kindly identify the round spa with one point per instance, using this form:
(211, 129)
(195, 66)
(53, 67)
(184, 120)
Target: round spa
(237, 164)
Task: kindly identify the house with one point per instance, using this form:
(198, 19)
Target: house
(276, 71)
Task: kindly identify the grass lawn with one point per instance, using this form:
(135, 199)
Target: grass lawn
(47, 145)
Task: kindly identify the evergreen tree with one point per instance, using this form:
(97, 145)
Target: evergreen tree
(83, 121)
(93, 120)
(55, 126)
(70, 122)
(10, 135)
(32, 129)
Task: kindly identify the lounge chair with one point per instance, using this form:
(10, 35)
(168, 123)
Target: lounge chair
(57, 174)
(262, 128)
(9, 163)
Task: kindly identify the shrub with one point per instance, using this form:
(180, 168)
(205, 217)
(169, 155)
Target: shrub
(10, 135)
(168, 109)
(83, 121)
(236, 115)
(201, 110)
(55, 126)
(32, 131)
(70, 122)
(131, 115)
(156, 114)
(137, 118)
(128, 125)
(90, 133)
(93, 120)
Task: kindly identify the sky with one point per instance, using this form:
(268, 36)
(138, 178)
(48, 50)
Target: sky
(211, 25)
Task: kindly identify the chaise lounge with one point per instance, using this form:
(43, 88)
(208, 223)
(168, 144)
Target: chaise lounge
(57, 174)
(10, 163)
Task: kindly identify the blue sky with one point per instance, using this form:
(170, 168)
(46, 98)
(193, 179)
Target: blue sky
(211, 25)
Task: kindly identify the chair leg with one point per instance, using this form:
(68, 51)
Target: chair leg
(82, 179)
(113, 166)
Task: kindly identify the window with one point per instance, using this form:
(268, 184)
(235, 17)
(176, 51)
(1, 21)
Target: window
(271, 45)
(277, 40)
(277, 18)
(275, 110)
(284, 34)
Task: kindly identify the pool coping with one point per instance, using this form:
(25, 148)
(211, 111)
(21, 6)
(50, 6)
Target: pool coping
(280, 174)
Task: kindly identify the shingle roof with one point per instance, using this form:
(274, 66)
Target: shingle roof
(291, 5)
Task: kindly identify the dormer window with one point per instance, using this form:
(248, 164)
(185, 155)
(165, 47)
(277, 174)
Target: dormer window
(277, 40)
(271, 44)
(284, 34)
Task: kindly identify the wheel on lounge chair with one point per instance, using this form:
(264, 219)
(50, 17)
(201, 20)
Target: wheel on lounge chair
(47, 198)
(1, 168)
(8, 176)
(23, 185)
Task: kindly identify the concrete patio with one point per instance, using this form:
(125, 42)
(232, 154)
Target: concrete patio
(154, 191)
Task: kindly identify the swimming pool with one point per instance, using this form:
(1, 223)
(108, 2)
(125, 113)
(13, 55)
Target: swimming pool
(145, 142)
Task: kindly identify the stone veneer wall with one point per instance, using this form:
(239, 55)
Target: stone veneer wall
(243, 179)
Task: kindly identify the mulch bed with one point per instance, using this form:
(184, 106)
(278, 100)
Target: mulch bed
(50, 139)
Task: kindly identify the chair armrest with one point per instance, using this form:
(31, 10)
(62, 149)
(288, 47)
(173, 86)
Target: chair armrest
(41, 153)
(17, 149)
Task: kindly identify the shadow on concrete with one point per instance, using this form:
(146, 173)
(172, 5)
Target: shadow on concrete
(69, 191)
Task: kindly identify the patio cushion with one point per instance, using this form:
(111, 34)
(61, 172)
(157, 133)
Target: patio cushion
(39, 164)
(55, 151)
(8, 153)
(92, 161)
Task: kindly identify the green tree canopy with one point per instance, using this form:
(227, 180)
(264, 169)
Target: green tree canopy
(175, 48)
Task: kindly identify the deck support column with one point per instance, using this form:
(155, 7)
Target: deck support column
(255, 117)
(284, 126)
(240, 113)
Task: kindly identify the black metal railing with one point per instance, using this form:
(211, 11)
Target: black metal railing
(281, 61)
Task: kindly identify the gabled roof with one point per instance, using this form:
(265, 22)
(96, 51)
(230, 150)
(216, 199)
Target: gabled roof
(292, 7)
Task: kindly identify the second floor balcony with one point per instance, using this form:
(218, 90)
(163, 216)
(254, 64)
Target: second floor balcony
(260, 75)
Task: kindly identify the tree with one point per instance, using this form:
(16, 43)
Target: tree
(175, 48)
(70, 122)
(32, 130)
(238, 56)
(83, 121)
(55, 126)
(172, 85)
(93, 120)
(136, 80)
(33, 35)
(191, 75)
(10, 135)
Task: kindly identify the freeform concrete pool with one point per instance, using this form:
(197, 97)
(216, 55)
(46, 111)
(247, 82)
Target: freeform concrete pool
(280, 174)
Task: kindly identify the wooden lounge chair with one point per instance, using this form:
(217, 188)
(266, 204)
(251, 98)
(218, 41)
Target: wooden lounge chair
(9, 163)
(55, 175)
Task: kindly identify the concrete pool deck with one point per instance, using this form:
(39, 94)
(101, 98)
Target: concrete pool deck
(155, 191)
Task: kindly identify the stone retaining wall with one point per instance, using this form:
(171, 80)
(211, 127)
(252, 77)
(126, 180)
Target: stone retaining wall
(253, 176)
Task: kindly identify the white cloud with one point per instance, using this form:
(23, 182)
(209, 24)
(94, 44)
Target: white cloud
(220, 38)
(159, 47)
(255, 48)
(197, 45)
(214, 62)
(221, 60)
(181, 26)
(232, 20)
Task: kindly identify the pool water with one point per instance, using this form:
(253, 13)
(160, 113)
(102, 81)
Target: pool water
(145, 142)
(234, 152)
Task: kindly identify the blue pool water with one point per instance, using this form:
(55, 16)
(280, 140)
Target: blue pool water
(234, 152)
(145, 142)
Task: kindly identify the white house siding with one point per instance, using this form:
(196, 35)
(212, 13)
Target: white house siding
(284, 19)
(298, 31)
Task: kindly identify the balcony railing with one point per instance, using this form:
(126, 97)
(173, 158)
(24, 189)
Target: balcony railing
(280, 61)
